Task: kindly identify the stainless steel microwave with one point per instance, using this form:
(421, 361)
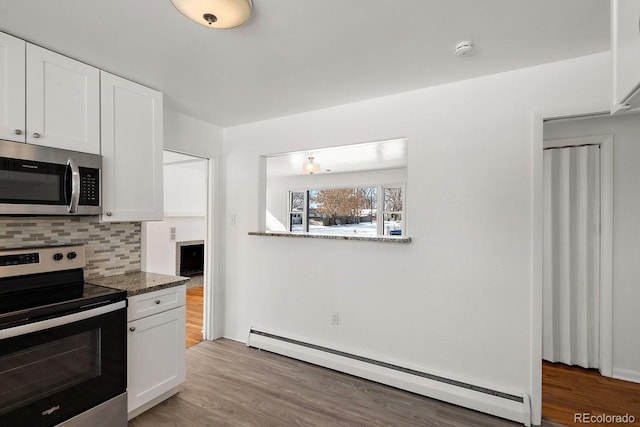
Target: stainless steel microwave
(36, 180)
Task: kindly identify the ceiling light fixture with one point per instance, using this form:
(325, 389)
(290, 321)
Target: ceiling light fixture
(310, 167)
(215, 13)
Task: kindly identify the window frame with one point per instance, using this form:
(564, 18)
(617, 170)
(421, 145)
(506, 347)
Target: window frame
(379, 212)
(381, 202)
(305, 208)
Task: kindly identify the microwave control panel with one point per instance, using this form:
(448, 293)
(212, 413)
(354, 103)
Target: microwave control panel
(89, 186)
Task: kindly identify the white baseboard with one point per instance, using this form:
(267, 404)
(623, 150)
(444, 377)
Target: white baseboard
(516, 410)
(626, 375)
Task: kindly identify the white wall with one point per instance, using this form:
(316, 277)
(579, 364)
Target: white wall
(626, 231)
(458, 300)
(186, 134)
(185, 202)
(185, 189)
(161, 254)
(278, 188)
(189, 135)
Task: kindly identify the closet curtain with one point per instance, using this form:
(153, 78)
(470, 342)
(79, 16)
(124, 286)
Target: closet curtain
(571, 262)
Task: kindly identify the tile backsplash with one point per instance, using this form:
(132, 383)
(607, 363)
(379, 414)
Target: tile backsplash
(110, 248)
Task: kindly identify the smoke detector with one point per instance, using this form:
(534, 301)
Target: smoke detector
(464, 48)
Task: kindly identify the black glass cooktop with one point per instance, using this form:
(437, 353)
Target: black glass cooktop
(43, 303)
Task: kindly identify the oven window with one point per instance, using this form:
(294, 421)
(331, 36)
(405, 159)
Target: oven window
(29, 374)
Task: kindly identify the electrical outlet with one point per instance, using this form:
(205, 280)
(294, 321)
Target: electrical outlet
(335, 318)
(172, 233)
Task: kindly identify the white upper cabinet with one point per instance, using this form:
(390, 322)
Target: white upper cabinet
(625, 41)
(12, 97)
(63, 102)
(132, 150)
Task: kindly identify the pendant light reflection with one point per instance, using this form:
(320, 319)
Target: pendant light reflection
(310, 167)
(215, 13)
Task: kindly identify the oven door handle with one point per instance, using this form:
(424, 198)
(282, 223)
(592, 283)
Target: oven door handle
(59, 321)
(73, 174)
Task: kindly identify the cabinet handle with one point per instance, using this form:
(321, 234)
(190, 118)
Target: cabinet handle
(157, 301)
(18, 132)
(109, 213)
(133, 328)
(36, 135)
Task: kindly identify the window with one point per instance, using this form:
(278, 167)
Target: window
(347, 211)
(297, 203)
(392, 212)
(356, 190)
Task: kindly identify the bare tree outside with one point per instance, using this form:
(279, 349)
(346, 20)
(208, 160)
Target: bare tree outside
(393, 199)
(370, 198)
(297, 202)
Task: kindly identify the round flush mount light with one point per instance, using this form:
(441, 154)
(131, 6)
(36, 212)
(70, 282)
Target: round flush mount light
(464, 48)
(215, 13)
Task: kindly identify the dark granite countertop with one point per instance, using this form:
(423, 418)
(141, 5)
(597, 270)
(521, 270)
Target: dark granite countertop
(385, 239)
(139, 282)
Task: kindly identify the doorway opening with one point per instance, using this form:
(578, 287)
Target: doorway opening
(583, 370)
(178, 244)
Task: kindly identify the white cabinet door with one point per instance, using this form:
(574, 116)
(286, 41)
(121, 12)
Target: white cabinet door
(12, 96)
(625, 38)
(63, 102)
(131, 150)
(156, 356)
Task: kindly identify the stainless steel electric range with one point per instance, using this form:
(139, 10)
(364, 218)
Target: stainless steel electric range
(63, 344)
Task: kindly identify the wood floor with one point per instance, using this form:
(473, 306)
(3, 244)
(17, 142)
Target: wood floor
(567, 390)
(229, 384)
(194, 315)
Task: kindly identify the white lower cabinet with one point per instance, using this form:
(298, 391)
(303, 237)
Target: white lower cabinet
(156, 348)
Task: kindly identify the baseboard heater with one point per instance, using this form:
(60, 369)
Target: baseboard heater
(512, 406)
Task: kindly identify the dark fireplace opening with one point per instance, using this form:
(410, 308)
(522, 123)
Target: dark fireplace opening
(192, 260)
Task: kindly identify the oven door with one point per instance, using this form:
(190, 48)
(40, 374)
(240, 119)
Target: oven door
(55, 369)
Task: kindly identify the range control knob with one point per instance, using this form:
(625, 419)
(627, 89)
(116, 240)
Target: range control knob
(57, 256)
(72, 255)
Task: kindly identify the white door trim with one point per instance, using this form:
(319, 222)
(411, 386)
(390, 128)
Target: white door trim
(538, 117)
(606, 240)
(211, 323)
(210, 327)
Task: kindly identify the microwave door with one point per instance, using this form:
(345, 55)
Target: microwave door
(36, 180)
(27, 182)
(72, 185)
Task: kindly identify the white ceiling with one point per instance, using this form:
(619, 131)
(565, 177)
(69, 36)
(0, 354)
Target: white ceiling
(300, 55)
